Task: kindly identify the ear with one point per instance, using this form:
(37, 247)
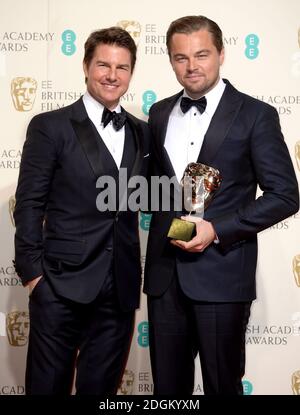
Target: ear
(222, 56)
(85, 69)
(171, 62)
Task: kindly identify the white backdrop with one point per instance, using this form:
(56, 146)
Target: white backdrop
(41, 48)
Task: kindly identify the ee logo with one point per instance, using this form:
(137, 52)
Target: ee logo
(143, 334)
(252, 50)
(149, 97)
(145, 221)
(68, 46)
(247, 387)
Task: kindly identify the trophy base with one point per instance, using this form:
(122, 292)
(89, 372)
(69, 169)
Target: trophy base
(181, 229)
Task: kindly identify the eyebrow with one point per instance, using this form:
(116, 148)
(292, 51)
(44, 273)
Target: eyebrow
(107, 63)
(203, 51)
(196, 53)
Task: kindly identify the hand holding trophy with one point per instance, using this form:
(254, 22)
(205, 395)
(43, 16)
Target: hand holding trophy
(199, 183)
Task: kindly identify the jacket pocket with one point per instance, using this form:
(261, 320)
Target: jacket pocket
(68, 251)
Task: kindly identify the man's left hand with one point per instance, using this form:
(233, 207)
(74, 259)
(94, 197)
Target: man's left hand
(205, 235)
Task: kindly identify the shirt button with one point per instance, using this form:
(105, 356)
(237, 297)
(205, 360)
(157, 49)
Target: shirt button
(192, 143)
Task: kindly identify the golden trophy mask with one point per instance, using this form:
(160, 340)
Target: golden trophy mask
(199, 183)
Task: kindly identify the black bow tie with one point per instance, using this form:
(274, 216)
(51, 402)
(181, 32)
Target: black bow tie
(186, 103)
(118, 118)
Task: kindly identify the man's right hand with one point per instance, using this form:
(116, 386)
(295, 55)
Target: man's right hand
(31, 284)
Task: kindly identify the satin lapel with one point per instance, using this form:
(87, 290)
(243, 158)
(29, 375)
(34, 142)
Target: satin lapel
(139, 142)
(86, 136)
(138, 138)
(84, 131)
(161, 131)
(220, 124)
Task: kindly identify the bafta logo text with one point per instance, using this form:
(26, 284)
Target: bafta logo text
(296, 382)
(297, 154)
(17, 327)
(132, 27)
(296, 269)
(126, 387)
(11, 208)
(23, 92)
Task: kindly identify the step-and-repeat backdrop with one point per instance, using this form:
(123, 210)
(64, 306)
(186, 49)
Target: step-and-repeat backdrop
(41, 51)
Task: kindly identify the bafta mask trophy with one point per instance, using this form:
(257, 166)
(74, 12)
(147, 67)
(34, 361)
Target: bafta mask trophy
(199, 183)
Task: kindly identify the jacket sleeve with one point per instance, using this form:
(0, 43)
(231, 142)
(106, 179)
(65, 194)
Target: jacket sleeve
(36, 171)
(277, 181)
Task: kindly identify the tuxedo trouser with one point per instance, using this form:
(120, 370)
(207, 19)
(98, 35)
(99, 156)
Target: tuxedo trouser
(91, 340)
(180, 328)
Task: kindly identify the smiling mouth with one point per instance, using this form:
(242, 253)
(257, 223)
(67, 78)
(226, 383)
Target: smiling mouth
(194, 76)
(193, 79)
(110, 86)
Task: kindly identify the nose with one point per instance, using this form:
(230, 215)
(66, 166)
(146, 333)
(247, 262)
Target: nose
(191, 65)
(112, 74)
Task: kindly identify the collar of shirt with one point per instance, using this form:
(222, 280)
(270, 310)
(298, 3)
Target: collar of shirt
(114, 140)
(95, 109)
(185, 132)
(212, 97)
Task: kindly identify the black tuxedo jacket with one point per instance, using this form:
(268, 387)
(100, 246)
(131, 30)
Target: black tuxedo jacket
(244, 142)
(60, 233)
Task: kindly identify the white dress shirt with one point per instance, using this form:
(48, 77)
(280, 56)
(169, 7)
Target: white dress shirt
(185, 132)
(114, 140)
